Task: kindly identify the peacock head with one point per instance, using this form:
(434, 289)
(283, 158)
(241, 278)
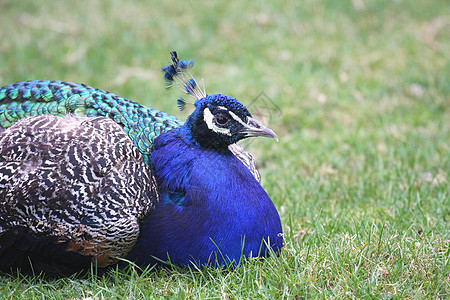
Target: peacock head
(218, 120)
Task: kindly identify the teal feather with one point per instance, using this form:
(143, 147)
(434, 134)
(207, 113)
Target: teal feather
(30, 98)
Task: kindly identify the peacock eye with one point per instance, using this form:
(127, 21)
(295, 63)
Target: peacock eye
(221, 119)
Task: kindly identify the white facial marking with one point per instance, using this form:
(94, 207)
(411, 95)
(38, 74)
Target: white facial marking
(239, 120)
(208, 118)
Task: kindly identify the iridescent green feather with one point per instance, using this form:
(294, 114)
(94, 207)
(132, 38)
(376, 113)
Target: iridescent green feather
(29, 98)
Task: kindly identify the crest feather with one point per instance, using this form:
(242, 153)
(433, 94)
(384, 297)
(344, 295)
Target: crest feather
(181, 103)
(178, 72)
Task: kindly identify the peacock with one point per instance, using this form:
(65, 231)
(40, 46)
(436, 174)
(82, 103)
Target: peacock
(88, 178)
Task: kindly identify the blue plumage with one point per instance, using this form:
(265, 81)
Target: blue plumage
(115, 179)
(206, 215)
(212, 205)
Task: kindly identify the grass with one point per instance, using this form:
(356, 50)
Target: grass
(358, 93)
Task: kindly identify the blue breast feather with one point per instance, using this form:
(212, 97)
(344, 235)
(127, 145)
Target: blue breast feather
(210, 204)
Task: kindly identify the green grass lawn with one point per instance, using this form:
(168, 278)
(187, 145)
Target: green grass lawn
(358, 93)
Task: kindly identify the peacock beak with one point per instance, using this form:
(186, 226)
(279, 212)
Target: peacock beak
(255, 128)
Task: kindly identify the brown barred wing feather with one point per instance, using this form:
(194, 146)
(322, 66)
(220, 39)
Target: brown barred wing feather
(70, 186)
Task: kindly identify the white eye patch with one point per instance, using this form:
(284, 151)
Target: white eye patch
(237, 119)
(208, 117)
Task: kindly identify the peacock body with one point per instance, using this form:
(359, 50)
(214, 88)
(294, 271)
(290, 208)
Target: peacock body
(89, 177)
